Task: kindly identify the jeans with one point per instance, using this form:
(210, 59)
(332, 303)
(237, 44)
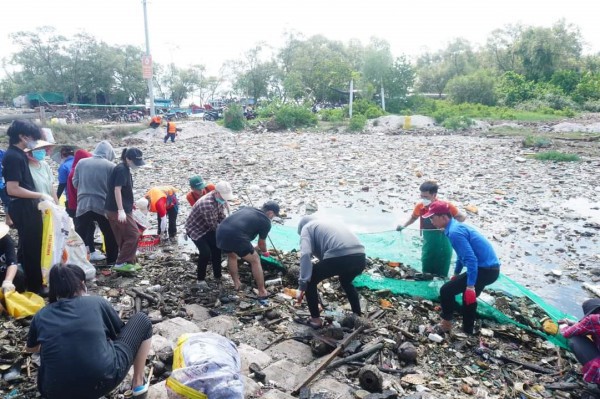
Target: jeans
(347, 268)
(448, 292)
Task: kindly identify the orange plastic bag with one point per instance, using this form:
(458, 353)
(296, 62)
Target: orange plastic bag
(22, 305)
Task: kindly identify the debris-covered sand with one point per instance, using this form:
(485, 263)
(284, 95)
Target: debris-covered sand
(543, 218)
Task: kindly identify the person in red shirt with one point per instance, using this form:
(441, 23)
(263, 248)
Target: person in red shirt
(436, 252)
(199, 189)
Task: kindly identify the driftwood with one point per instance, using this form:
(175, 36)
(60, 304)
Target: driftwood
(356, 356)
(527, 365)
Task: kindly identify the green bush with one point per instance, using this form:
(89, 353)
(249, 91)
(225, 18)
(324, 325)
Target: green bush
(556, 156)
(514, 88)
(367, 108)
(477, 88)
(233, 118)
(291, 116)
(268, 110)
(357, 123)
(591, 106)
(536, 141)
(332, 115)
(458, 123)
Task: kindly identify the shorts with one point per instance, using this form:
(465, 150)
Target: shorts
(228, 242)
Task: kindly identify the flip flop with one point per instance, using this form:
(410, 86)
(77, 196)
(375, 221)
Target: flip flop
(307, 322)
(141, 390)
(263, 300)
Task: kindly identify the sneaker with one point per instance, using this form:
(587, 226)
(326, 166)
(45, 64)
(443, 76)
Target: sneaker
(125, 268)
(201, 285)
(97, 256)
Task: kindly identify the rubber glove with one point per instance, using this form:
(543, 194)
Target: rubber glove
(122, 217)
(163, 224)
(454, 277)
(469, 296)
(399, 227)
(266, 254)
(7, 286)
(46, 197)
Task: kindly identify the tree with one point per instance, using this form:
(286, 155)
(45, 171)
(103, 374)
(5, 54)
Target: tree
(477, 87)
(377, 63)
(255, 77)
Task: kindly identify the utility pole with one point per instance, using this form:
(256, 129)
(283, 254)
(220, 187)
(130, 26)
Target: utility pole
(150, 79)
(351, 97)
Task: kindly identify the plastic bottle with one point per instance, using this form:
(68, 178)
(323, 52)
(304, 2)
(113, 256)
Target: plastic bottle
(275, 281)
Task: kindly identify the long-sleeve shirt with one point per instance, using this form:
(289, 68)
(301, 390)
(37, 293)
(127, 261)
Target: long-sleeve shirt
(205, 216)
(589, 325)
(323, 240)
(472, 249)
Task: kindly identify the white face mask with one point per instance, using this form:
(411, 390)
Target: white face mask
(426, 201)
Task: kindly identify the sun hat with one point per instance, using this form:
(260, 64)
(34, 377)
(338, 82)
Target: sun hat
(437, 208)
(224, 188)
(39, 144)
(197, 182)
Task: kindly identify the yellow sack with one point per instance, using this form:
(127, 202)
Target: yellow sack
(47, 244)
(22, 305)
(55, 231)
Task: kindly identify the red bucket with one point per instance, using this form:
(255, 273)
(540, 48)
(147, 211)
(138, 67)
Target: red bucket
(148, 243)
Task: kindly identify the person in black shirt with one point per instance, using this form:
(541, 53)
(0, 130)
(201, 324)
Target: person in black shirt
(86, 350)
(23, 210)
(234, 236)
(119, 207)
(12, 278)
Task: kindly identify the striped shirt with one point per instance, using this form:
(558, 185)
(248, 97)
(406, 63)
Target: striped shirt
(589, 325)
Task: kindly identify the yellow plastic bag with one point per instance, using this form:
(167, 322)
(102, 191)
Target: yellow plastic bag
(22, 305)
(55, 231)
(47, 244)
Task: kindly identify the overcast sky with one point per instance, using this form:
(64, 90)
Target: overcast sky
(210, 32)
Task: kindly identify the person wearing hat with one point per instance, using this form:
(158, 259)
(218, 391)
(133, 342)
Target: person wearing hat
(43, 178)
(90, 181)
(67, 155)
(584, 339)
(162, 200)
(436, 252)
(473, 252)
(119, 208)
(12, 278)
(24, 199)
(201, 226)
(339, 252)
(235, 235)
(199, 189)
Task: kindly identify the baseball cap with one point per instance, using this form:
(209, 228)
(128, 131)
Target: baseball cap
(196, 182)
(271, 206)
(437, 208)
(225, 190)
(591, 306)
(135, 155)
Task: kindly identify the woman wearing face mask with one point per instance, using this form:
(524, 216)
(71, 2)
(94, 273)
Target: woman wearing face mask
(436, 252)
(86, 349)
(40, 170)
(119, 207)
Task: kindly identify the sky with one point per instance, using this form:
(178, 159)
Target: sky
(188, 32)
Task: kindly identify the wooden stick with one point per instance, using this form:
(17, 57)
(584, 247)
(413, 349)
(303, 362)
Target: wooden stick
(358, 355)
(328, 360)
(527, 365)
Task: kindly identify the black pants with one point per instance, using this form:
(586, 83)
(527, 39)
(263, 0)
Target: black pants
(207, 248)
(448, 292)
(583, 348)
(346, 268)
(172, 215)
(85, 227)
(27, 219)
(170, 136)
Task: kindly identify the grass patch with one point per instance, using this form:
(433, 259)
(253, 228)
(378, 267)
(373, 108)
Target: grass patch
(536, 141)
(510, 131)
(556, 156)
(71, 133)
(123, 131)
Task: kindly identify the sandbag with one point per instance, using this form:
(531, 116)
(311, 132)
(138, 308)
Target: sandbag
(205, 365)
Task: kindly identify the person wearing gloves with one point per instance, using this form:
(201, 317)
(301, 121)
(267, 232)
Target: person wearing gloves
(199, 189)
(235, 235)
(436, 252)
(85, 347)
(24, 199)
(201, 226)
(90, 179)
(10, 275)
(473, 252)
(119, 208)
(339, 252)
(584, 339)
(67, 156)
(162, 200)
(40, 170)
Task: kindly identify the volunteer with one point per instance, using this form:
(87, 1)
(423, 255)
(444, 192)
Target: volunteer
(43, 178)
(476, 254)
(171, 131)
(67, 156)
(90, 179)
(155, 121)
(201, 226)
(86, 349)
(436, 252)
(198, 189)
(12, 278)
(119, 208)
(339, 252)
(235, 235)
(162, 200)
(24, 199)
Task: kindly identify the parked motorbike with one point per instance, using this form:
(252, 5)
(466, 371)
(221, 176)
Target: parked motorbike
(212, 115)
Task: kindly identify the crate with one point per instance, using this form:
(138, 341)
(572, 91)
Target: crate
(148, 243)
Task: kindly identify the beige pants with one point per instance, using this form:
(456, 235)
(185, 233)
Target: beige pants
(126, 235)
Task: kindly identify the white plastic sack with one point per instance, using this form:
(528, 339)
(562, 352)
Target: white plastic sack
(76, 253)
(205, 365)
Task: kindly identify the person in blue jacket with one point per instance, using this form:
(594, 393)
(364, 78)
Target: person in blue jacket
(475, 253)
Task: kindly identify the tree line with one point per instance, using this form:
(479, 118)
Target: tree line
(520, 66)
